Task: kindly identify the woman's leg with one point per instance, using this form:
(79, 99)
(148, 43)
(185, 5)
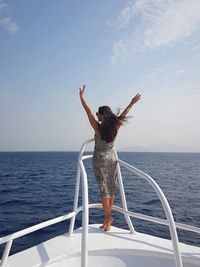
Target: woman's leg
(111, 202)
(107, 207)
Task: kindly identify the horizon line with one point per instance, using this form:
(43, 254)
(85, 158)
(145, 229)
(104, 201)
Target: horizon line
(91, 151)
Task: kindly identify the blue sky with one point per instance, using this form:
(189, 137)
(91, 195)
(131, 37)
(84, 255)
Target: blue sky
(48, 49)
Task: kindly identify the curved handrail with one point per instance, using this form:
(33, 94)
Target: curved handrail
(67, 216)
(165, 206)
(9, 238)
(72, 215)
(85, 213)
(144, 217)
(160, 194)
(76, 194)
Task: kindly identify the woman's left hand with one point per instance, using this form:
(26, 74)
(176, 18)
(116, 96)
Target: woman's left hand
(81, 90)
(136, 98)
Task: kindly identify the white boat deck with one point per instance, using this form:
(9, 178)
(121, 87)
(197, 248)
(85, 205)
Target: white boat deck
(117, 248)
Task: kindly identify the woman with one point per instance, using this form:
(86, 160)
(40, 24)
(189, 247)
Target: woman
(104, 158)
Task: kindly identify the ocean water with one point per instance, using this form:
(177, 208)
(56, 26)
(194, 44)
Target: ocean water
(37, 186)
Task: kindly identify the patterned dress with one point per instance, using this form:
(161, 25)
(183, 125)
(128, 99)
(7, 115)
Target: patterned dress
(105, 167)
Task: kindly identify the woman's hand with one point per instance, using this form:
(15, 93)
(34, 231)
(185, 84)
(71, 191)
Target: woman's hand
(93, 122)
(81, 90)
(135, 99)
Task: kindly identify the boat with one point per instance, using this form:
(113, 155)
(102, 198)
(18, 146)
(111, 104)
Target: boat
(89, 246)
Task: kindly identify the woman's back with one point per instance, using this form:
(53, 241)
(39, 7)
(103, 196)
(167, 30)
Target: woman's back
(102, 146)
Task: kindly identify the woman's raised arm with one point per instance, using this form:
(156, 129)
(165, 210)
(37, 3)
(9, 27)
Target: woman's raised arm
(134, 100)
(91, 118)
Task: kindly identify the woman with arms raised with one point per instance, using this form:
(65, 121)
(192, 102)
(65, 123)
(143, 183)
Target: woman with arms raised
(104, 158)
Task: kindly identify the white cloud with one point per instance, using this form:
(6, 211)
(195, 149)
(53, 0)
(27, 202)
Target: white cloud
(150, 24)
(9, 25)
(180, 71)
(196, 47)
(6, 21)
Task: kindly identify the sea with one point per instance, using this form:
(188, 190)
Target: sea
(38, 186)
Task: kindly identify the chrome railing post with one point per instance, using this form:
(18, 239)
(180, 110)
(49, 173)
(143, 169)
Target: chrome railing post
(6, 254)
(85, 218)
(85, 212)
(123, 198)
(77, 186)
(75, 206)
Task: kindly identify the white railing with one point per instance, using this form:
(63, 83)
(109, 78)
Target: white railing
(166, 208)
(85, 213)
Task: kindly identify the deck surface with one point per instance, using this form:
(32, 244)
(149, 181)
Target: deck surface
(117, 248)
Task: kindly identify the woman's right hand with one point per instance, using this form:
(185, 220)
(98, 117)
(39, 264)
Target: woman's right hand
(81, 90)
(136, 98)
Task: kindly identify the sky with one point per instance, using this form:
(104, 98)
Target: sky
(118, 48)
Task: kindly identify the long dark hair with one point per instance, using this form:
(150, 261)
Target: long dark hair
(110, 125)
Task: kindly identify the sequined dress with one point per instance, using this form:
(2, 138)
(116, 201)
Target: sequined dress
(105, 167)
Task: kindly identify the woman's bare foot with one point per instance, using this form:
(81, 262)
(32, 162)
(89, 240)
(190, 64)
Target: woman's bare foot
(104, 224)
(109, 220)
